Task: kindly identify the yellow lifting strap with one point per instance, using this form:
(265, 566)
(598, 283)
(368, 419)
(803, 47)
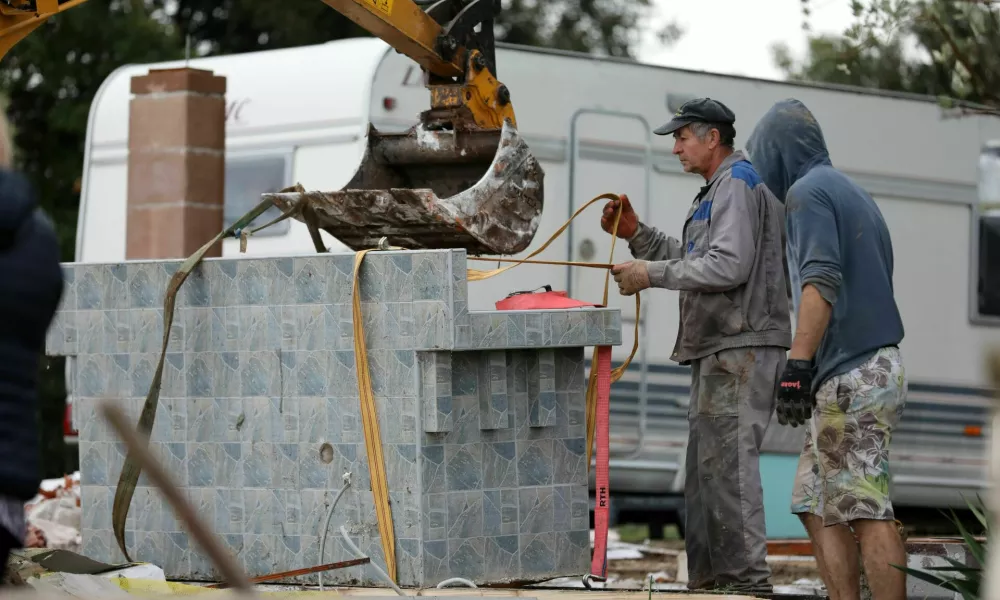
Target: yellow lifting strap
(129, 477)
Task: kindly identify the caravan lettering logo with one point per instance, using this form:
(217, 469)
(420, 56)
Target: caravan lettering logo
(234, 110)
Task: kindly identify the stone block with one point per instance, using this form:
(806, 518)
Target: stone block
(481, 416)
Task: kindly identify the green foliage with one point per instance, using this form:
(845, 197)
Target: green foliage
(944, 48)
(224, 26)
(234, 26)
(958, 577)
(605, 27)
(835, 59)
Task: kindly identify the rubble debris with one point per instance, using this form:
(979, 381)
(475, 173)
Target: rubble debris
(26, 565)
(53, 515)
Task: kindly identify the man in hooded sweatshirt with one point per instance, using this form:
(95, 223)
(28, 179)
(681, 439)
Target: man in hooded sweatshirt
(31, 285)
(844, 370)
(734, 331)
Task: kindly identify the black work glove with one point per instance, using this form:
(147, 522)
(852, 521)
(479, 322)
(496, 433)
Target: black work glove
(795, 398)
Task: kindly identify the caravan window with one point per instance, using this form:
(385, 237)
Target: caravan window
(249, 177)
(988, 266)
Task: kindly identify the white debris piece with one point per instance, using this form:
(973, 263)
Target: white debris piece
(622, 551)
(55, 511)
(427, 139)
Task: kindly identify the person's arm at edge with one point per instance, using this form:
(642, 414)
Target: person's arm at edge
(813, 240)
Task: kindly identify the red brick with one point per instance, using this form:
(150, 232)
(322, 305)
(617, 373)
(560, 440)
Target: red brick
(181, 120)
(176, 164)
(177, 231)
(182, 79)
(173, 177)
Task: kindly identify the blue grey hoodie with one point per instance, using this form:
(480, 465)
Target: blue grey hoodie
(837, 239)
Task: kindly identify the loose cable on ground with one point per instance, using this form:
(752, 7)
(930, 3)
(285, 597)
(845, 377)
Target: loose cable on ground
(461, 580)
(357, 552)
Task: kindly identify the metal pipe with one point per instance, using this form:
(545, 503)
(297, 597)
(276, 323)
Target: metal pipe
(296, 572)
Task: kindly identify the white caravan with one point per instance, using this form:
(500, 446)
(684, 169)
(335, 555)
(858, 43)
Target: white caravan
(300, 115)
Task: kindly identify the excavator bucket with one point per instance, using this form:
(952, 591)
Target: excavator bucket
(480, 190)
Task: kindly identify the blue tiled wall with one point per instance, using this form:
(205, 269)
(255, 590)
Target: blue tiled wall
(481, 415)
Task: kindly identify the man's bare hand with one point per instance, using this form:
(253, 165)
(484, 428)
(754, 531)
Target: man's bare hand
(629, 221)
(631, 277)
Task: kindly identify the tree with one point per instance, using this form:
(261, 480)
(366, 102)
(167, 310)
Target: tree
(601, 26)
(235, 26)
(835, 59)
(610, 28)
(952, 51)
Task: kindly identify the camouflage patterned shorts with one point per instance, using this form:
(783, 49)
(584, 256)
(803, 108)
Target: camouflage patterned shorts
(843, 471)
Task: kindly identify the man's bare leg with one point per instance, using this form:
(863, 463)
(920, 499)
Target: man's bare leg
(837, 556)
(881, 547)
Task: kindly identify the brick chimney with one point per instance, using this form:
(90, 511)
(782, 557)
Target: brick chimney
(176, 163)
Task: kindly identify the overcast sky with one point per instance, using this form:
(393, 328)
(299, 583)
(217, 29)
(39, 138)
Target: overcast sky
(734, 36)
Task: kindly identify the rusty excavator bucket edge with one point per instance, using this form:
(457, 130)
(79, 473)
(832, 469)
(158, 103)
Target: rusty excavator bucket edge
(478, 190)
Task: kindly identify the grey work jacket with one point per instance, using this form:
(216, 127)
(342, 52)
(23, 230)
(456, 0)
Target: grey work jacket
(729, 268)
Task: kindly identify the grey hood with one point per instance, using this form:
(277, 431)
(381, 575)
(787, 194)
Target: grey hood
(785, 144)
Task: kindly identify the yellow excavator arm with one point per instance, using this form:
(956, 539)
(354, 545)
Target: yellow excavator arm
(458, 60)
(404, 26)
(18, 18)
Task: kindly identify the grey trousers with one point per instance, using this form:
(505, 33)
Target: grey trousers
(733, 394)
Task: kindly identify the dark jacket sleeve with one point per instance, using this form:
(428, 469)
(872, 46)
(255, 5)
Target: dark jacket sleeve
(813, 240)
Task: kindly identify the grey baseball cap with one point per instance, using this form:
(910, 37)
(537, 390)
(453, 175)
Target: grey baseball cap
(703, 110)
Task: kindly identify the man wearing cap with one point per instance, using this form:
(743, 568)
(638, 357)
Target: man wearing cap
(734, 331)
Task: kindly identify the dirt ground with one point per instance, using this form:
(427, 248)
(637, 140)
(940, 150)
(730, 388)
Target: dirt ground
(660, 560)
